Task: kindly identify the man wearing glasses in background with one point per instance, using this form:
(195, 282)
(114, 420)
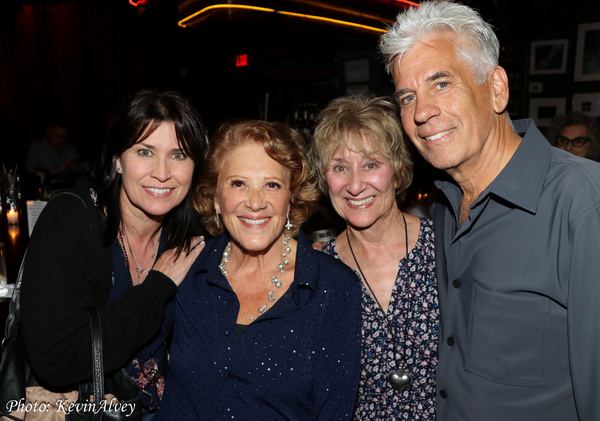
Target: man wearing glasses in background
(576, 133)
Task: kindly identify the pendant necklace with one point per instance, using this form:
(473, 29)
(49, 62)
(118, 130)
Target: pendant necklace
(400, 379)
(287, 249)
(151, 371)
(138, 269)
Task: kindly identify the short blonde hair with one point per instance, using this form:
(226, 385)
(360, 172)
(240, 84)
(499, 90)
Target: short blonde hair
(352, 119)
(281, 143)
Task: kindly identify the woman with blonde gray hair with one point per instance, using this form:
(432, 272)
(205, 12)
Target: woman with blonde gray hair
(360, 159)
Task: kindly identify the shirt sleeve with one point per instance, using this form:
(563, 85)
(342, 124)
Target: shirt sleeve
(67, 274)
(584, 316)
(72, 152)
(338, 364)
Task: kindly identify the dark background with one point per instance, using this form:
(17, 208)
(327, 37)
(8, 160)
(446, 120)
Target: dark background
(78, 59)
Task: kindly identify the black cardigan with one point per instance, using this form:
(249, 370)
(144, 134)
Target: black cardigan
(67, 274)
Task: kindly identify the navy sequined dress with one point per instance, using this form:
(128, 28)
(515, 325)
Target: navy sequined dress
(300, 360)
(377, 400)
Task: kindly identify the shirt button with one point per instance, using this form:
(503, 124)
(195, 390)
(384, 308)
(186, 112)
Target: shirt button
(443, 394)
(450, 340)
(456, 283)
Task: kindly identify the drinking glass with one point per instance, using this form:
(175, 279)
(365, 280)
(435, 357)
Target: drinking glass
(3, 287)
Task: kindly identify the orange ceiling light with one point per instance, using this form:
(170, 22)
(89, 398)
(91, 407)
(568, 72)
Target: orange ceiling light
(408, 3)
(189, 19)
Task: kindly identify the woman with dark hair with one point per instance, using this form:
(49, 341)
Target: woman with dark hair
(266, 327)
(123, 248)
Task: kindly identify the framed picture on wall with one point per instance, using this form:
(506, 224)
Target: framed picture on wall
(587, 57)
(536, 87)
(587, 103)
(357, 70)
(548, 57)
(543, 110)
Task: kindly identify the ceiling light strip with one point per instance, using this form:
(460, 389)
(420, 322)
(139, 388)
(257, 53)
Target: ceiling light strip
(334, 21)
(184, 22)
(410, 3)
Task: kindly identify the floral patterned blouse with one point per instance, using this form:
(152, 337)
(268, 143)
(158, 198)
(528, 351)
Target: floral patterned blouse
(413, 310)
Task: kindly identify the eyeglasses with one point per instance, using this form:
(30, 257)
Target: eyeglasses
(578, 141)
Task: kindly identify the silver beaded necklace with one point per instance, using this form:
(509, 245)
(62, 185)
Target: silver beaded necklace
(287, 249)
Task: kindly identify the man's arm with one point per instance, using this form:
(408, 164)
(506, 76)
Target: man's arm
(584, 316)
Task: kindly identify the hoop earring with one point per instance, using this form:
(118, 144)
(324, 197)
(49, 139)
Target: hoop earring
(288, 224)
(218, 221)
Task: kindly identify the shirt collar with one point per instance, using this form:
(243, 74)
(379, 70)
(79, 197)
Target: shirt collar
(520, 182)
(306, 274)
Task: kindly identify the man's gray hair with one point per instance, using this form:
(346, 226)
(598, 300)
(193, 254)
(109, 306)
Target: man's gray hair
(477, 45)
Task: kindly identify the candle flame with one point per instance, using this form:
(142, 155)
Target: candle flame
(13, 233)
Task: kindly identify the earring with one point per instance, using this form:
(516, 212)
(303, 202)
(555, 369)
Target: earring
(288, 224)
(119, 170)
(218, 222)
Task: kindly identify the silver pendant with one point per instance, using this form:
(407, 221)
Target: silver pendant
(400, 380)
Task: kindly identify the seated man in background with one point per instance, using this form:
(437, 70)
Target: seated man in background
(53, 156)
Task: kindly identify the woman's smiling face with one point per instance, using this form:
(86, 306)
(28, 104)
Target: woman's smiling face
(362, 186)
(253, 197)
(156, 175)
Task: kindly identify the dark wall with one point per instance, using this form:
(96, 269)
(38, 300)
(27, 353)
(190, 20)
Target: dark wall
(73, 60)
(80, 58)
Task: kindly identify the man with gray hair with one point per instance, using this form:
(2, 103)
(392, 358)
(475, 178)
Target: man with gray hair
(517, 230)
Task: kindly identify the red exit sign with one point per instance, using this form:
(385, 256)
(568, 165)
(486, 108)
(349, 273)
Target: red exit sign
(241, 60)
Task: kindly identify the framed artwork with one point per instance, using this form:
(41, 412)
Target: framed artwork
(536, 87)
(587, 56)
(357, 70)
(587, 103)
(548, 57)
(543, 110)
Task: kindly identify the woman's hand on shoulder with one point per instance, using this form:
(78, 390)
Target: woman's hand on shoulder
(176, 265)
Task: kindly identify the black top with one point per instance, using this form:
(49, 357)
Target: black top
(67, 274)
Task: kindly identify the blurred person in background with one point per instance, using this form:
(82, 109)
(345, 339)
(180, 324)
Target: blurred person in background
(53, 156)
(576, 133)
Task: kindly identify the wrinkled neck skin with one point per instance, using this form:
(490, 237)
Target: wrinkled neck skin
(250, 261)
(388, 229)
(475, 175)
